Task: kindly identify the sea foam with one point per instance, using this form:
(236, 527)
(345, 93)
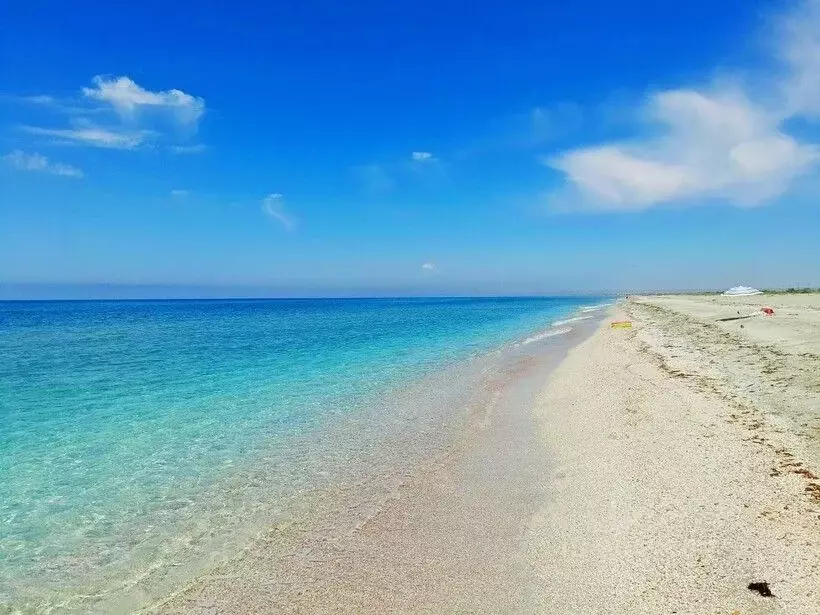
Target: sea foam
(545, 334)
(595, 308)
(566, 321)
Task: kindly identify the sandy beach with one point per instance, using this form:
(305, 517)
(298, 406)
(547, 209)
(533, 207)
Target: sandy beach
(662, 469)
(686, 462)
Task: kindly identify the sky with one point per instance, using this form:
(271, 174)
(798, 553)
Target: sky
(318, 148)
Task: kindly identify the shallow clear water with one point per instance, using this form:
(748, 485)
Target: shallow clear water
(123, 425)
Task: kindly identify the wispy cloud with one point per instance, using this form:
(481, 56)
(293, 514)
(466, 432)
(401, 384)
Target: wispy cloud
(428, 266)
(188, 149)
(719, 142)
(179, 194)
(423, 157)
(37, 162)
(93, 135)
(41, 99)
(375, 178)
(380, 178)
(527, 130)
(118, 113)
(543, 124)
(274, 206)
(797, 36)
(77, 106)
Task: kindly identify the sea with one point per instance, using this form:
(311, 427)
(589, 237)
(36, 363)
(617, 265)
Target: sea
(143, 442)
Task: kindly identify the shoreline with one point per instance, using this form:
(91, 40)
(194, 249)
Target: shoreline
(645, 491)
(661, 468)
(448, 538)
(362, 453)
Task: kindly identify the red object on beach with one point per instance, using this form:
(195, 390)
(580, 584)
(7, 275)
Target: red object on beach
(767, 311)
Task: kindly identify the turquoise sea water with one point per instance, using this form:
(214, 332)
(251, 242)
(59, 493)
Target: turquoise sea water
(129, 430)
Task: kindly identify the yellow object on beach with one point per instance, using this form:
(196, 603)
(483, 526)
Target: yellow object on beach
(621, 324)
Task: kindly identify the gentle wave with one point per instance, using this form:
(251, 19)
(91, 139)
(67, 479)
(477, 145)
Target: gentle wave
(566, 321)
(595, 308)
(545, 334)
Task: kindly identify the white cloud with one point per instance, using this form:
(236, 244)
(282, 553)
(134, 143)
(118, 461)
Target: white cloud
(126, 97)
(428, 266)
(94, 135)
(273, 205)
(717, 143)
(798, 46)
(125, 116)
(38, 162)
(423, 157)
(188, 149)
(179, 194)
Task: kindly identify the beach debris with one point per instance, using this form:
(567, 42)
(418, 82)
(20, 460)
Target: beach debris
(766, 311)
(761, 587)
(735, 318)
(804, 472)
(621, 324)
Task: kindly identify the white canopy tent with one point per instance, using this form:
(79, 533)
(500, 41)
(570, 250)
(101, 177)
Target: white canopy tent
(742, 291)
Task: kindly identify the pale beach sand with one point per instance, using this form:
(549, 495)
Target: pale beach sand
(661, 469)
(686, 457)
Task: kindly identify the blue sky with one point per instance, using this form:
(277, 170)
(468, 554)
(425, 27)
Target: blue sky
(314, 148)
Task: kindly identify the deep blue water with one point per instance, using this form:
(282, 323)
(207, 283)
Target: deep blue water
(115, 416)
